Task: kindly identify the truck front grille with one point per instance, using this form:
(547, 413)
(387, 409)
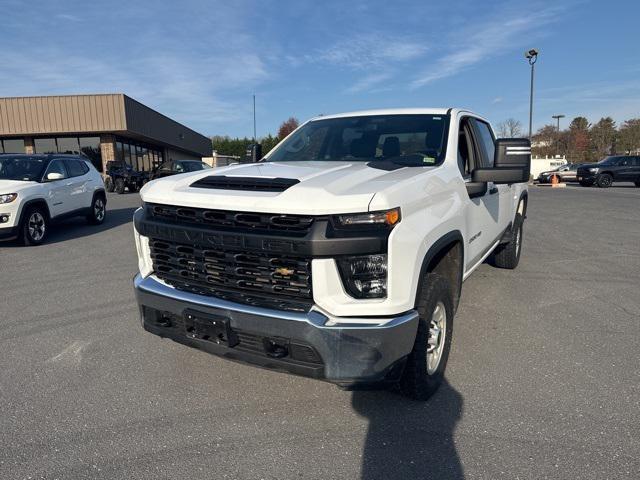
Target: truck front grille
(236, 221)
(260, 279)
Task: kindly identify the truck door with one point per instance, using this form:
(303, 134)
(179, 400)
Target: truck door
(505, 193)
(483, 208)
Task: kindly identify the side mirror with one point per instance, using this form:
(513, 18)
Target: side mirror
(254, 152)
(511, 163)
(51, 176)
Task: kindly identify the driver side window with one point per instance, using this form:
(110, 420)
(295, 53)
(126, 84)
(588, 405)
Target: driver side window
(56, 166)
(466, 153)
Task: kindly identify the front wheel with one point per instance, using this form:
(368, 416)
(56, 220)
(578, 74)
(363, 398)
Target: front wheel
(34, 227)
(507, 255)
(98, 211)
(605, 180)
(424, 370)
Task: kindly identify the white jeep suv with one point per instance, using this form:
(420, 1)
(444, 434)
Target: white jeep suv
(340, 255)
(36, 190)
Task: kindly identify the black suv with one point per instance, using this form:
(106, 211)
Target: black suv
(616, 168)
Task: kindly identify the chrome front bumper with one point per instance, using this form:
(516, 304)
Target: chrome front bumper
(349, 351)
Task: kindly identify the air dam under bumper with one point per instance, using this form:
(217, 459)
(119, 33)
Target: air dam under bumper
(345, 355)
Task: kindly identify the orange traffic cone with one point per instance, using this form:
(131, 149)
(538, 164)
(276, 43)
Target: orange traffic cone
(554, 180)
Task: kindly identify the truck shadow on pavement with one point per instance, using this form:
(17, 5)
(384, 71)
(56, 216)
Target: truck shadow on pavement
(408, 439)
(78, 227)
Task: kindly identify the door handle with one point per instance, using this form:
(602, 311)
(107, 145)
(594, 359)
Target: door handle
(493, 190)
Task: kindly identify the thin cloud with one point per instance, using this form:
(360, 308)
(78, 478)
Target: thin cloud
(366, 51)
(68, 17)
(492, 38)
(368, 82)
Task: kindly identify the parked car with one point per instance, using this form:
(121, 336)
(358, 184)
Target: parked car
(565, 173)
(341, 254)
(121, 176)
(616, 168)
(38, 190)
(173, 167)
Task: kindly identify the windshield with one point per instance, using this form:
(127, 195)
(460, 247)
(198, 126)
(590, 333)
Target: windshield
(608, 161)
(411, 140)
(22, 168)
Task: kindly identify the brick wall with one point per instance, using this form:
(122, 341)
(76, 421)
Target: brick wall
(107, 150)
(28, 146)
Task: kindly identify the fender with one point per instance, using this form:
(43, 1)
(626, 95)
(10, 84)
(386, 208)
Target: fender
(101, 192)
(436, 248)
(34, 201)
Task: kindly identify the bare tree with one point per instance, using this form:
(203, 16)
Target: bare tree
(510, 128)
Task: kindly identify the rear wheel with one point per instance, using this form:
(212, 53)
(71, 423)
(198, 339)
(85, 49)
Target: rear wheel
(424, 370)
(604, 180)
(119, 185)
(108, 184)
(507, 255)
(98, 210)
(34, 226)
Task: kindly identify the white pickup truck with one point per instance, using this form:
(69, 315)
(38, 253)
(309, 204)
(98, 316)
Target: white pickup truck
(341, 254)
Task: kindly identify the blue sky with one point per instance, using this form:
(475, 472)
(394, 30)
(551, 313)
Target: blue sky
(200, 61)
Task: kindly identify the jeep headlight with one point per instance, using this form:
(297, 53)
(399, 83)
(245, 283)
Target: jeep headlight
(594, 170)
(364, 276)
(8, 197)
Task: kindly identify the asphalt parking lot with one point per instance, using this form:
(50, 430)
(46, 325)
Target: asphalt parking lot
(543, 381)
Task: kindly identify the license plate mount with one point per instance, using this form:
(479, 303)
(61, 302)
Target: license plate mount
(210, 328)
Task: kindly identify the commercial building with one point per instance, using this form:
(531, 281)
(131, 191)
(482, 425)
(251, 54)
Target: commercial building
(104, 127)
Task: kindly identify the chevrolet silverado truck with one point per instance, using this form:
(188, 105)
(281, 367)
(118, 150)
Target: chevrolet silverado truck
(341, 254)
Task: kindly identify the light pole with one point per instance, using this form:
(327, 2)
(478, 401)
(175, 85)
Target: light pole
(532, 56)
(558, 117)
(254, 118)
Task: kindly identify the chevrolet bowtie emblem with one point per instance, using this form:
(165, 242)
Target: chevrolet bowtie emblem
(284, 271)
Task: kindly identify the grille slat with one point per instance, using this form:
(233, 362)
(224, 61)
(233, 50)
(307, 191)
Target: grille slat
(259, 279)
(247, 221)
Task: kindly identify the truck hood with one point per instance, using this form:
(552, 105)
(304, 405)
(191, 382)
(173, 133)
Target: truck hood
(322, 188)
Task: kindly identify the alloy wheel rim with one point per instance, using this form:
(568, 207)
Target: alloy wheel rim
(36, 226)
(98, 210)
(437, 336)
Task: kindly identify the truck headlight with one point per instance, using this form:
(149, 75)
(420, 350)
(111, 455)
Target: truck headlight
(387, 218)
(594, 170)
(364, 276)
(8, 197)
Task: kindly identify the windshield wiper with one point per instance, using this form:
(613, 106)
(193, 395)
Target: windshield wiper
(410, 160)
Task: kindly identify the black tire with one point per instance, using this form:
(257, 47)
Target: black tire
(507, 255)
(419, 381)
(35, 226)
(108, 184)
(637, 183)
(98, 210)
(604, 180)
(119, 185)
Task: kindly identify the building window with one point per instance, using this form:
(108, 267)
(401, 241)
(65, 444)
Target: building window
(12, 145)
(45, 145)
(68, 145)
(90, 148)
(141, 156)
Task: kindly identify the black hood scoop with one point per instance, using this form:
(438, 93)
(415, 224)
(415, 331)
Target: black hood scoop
(255, 184)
